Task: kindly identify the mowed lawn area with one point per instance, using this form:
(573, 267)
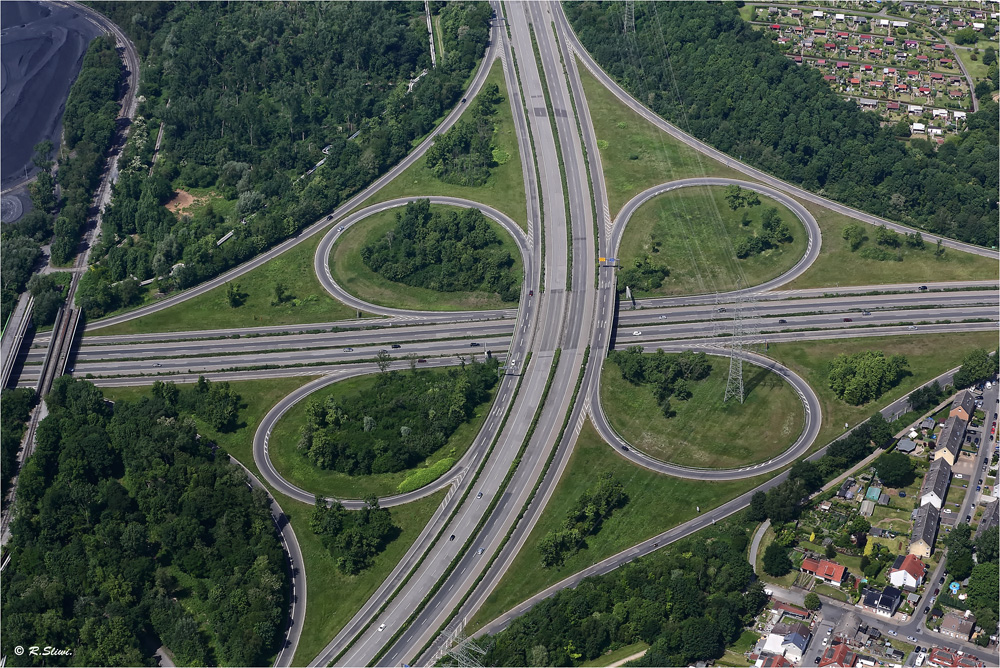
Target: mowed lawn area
(504, 190)
(635, 154)
(837, 265)
(305, 300)
(929, 355)
(354, 276)
(705, 432)
(298, 470)
(332, 598)
(656, 503)
(693, 232)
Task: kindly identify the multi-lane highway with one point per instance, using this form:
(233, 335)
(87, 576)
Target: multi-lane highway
(461, 555)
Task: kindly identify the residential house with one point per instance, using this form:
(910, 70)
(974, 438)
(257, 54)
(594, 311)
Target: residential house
(853, 49)
(924, 530)
(842, 65)
(829, 77)
(914, 75)
(937, 76)
(843, 35)
(830, 46)
(923, 59)
(826, 571)
(893, 106)
(854, 81)
(964, 406)
(883, 603)
(775, 26)
(935, 132)
(948, 659)
(928, 423)
(899, 24)
(788, 640)
(935, 486)
(905, 445)
(911, 44)
(819, 33)
(907, 571)
(875, 53)
(958, 626)
(867, 508)
(940, 113)
(797, 59)
(889, 41)
(924, 90)
(817, 14)
(945, 62)
(949, 441)
(787, 610)
(990, 519)
(918, 128)
(865, 39)
(773, 661)
(939, 47)
(958, 115)
(955, 94)
(838, 654)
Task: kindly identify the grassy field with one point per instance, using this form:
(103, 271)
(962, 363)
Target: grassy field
(705, 432)
(616, 656)
(837, 265)
(692, 232)
(504, 190)
(635, 154)
(351, 273)
(332, 597)
(306, 301)
(656, 503)
(928, 354)
(299, 471)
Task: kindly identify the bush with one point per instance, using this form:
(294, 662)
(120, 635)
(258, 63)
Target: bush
(776, 562)
(425, 476)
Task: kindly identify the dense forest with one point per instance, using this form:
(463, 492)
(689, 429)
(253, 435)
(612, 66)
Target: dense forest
(353, 538)
(446, 251)
(13, 418)
(703, 68)
(89, 129)
(668, 375)
(396, 423)
(131, 532)
(688, 601)
(252, 96)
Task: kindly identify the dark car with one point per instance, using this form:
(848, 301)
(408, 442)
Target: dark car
(473, 345)
(848, 319)
(452, 537)
(421, 360)
(968, 518)
(922, 287)
(937, 590)
(531, 293)
(396, 345)
(782, 322)
(624, 448)
(941, 581)
(927, 609)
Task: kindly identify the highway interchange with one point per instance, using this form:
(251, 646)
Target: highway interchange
(574, 308)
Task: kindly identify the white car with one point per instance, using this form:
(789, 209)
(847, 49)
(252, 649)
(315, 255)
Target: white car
(636, 333)
(381, 628)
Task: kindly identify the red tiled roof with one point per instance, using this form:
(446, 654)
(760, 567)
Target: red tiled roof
(775, 660)
(784, 607)
(830, 77)
(892, 105)
(913, 566)
(825, 569)
(855, 80)
(841, 63)
(838, 655)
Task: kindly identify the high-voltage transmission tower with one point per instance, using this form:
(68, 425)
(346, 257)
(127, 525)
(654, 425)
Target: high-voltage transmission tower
(629, 16)
(746, 337)
(460, 649)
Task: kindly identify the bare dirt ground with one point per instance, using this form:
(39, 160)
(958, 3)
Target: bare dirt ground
(182, 200)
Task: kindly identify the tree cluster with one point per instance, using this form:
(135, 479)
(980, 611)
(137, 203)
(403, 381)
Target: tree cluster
(737, 197)
(445, 251)
(249, 108)
(701, 66)
(979, 365)
(895, 469)
(584, 519)
(396, 423)
(464, 155)
(215, 403)
(773, 233)
(959, 544)
(353, 538)
(49, 292)
(668, 375)
(926, 397)
(132, 532)
(984, 582)
(688, 601)
(866, 375)
(644, 275)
